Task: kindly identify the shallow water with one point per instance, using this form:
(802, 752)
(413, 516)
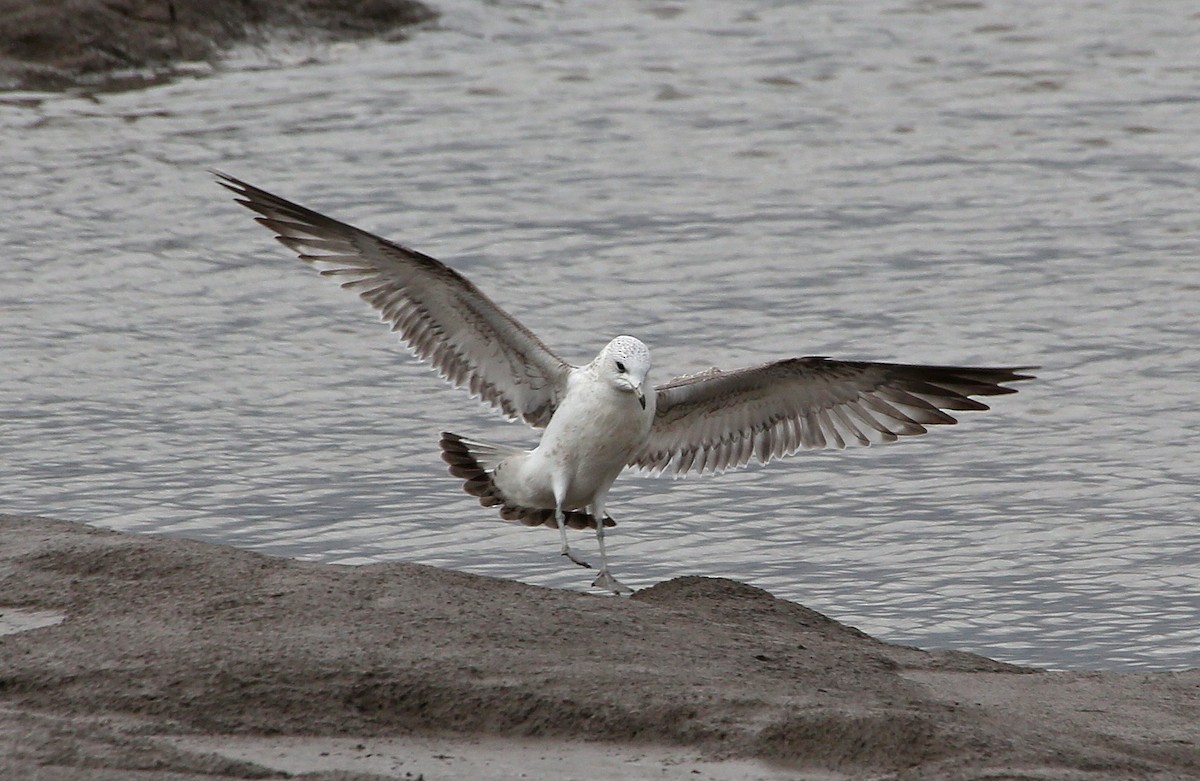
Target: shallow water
(915, 181)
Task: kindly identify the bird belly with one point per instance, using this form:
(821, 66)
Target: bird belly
(586, 445)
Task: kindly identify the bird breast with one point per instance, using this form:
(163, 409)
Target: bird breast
(594, 432)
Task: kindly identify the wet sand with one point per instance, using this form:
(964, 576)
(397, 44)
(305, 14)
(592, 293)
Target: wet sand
(114, 44)
(180, 659)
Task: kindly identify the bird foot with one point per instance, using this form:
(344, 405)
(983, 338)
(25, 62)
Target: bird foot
(567, 552)
(607, 581)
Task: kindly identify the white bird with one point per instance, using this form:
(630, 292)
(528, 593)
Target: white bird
(604, 416)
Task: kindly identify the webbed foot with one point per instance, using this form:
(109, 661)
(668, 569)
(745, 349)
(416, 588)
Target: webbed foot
(606, 581)
(567, 552)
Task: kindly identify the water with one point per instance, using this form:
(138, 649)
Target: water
(916, 181)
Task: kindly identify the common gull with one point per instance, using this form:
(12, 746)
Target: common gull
(602, 417)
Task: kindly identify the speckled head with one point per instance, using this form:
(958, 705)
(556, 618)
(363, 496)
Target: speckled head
(625, 362)
(628, 356)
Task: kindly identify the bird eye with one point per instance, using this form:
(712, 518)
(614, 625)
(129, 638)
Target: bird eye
(620, 367)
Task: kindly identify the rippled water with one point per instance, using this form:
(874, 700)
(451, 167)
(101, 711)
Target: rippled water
(995, 183)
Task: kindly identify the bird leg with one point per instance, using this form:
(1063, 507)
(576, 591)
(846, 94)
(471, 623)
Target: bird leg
(561, 518)
(604, 579)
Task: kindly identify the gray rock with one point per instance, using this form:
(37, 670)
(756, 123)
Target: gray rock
(56, 44)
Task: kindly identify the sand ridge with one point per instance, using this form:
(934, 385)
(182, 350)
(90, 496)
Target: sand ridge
(168, 637)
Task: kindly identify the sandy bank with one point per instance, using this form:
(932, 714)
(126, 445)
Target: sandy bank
(53, 44)
(169, 646)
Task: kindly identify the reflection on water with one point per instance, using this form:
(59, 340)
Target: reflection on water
(899, 181)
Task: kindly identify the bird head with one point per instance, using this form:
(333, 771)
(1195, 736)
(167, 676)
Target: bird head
(625, 362)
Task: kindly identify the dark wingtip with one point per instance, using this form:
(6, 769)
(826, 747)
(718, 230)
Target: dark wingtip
(228, 182)
(246, 190)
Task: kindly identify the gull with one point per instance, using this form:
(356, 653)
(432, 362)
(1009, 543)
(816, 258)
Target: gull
(604, 416)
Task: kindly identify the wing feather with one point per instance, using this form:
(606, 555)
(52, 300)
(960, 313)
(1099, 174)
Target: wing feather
(441, 315)
(716, 420)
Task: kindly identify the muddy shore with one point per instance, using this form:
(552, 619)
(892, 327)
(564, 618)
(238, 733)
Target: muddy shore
(113, 44)
(179, 659)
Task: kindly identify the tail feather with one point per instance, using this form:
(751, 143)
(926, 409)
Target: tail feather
(474, 462)
(481, 455)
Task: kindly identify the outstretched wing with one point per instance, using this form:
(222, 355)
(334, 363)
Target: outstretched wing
(444, 318)
(715, 420)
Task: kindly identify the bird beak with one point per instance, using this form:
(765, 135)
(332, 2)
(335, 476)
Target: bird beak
(641, 397)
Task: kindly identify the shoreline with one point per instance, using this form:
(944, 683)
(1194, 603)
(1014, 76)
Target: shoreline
(183, 658)
(54, 45)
